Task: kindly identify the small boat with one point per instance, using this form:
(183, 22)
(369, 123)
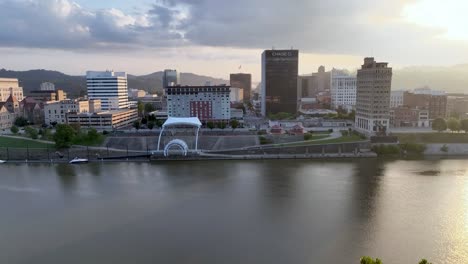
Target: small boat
(2, 161)
(77, 160)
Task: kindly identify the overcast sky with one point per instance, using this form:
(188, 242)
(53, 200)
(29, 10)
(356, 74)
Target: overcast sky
(214, 37)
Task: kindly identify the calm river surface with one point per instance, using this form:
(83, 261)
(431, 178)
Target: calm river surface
(235, 212)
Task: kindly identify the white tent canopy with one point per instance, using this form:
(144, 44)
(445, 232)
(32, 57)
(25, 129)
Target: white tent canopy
(188, 121)
(182, 121)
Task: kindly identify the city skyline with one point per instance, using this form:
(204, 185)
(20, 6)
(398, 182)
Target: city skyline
(153, 35)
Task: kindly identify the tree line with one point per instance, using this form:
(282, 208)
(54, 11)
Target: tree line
(453, 124)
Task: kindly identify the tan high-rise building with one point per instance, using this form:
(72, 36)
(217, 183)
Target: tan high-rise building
(374, 82)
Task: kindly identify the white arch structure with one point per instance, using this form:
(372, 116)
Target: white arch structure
(177, 143)
(181, 121)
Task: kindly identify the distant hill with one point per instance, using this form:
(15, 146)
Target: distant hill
(31, 80)
(76, 85)
(452, 79)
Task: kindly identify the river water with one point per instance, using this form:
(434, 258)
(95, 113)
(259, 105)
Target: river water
(235, 212)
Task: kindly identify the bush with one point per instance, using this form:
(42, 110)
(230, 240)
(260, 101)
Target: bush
(264, 140)
(21, 121)
(344, 133)
(383, 150)
(14, 129)
(444, 148)
(31, 132)
(413, 148)
(105, 132)
(47, 134)
(261, 132)
(308, 136)
(330, 130)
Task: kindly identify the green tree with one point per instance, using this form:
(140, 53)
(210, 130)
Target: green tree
(439, 124)
(464, 125)
(149, 108)
(222, 125)
(453, 124)
(47, 134)
(76, 127)
(210, 124)
(21, 121)
(14, 129)
(369, 260)
(140, 107)
(31, 132)
(151, 125)
(423, 261)
(64, 136)
(137, 125)
(159, 123)
(234, 124)
(144, 121)
(93, 134)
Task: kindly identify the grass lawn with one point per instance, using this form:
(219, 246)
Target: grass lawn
(304, 143)
(345, 139)
(432, 137)
(6, 142)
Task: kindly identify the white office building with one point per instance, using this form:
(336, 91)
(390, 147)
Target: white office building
(208, 103)
(9, 86)
(343, 90)
(110, 87)
(396, 98)
(47, 86)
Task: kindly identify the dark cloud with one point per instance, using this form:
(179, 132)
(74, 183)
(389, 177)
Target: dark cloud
(356, 27)
(63, 24)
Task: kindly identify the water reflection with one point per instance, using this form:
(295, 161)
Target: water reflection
(208, 212)
(67, 176)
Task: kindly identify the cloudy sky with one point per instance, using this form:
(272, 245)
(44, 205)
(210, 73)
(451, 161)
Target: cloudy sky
(214, 37)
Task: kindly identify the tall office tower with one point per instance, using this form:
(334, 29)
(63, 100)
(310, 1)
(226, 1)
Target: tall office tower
(170, 78)
(279, 81)
(47, 86)
(374, 82)
(343, 90)
(243, 81)
(110, 87)
(9, 86)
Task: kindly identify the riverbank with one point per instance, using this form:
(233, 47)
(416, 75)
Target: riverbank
(207, 156)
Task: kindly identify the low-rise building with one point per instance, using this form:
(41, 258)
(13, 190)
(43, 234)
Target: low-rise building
(457, 105)
(109, 120)
(32, 110)
(48, 95)
(396, 98)
(404, 116)
(56, 112)
(9, 111)
(237, 114)
(436, 104)
(10, 86)
(135, 93)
